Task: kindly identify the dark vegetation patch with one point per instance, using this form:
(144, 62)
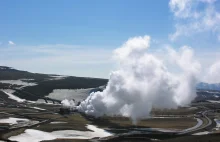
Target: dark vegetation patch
(13, 74)
(140, 137)
(4, 98)
(179, 111)
(201, 138)
(126, 123)
(5, 136)
(44, 88)
(8, 86)
(164, 138)
(45, 83)
(73, 122)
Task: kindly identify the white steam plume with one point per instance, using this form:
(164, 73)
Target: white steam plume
(213, 74)
(143, 81)
(68, 104)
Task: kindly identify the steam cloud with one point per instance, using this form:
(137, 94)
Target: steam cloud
(68, 104)
(144, 81)
(213, 76)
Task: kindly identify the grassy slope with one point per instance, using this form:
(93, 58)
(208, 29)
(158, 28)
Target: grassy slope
(120, 122)
(74, 122)
(13, 74)
(45, 86)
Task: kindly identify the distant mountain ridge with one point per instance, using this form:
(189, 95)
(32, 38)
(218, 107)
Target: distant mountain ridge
(9, 73)
(5, 68)
(207, 86)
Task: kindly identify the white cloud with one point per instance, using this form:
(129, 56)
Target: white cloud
(208, 1)
(144, 81)
(11, 42)
(212, 75)
(219, 37)
(195, 16)
(181, 8)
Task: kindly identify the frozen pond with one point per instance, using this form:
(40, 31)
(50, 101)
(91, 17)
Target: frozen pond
(76, 94)
(37, 136)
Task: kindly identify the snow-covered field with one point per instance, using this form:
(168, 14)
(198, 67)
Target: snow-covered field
(12, 120)
(18, 122)
(76, 94)
(36, 135)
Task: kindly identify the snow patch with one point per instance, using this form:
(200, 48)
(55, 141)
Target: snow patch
(27, 79)
(212, 101)
(202, 133)
(12, 120)
(57, 77)
(36, 135)
(156, 129)
(18, 82)
(11, 96)
(37, 108)
(57, 122)
(217, 121)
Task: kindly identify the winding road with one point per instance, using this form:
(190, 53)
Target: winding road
(198, 126)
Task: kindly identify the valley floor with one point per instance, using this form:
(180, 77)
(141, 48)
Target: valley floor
(42, 122)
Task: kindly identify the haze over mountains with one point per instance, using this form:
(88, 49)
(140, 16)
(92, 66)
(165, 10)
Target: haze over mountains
(208, 86)
(9, 73)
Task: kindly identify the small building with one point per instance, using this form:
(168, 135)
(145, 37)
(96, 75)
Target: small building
(64, 111)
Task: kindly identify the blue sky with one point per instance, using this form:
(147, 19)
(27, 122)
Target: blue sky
(84, 22)
(77, 37)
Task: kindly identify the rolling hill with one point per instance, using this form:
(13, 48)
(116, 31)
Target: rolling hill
(32, 86)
